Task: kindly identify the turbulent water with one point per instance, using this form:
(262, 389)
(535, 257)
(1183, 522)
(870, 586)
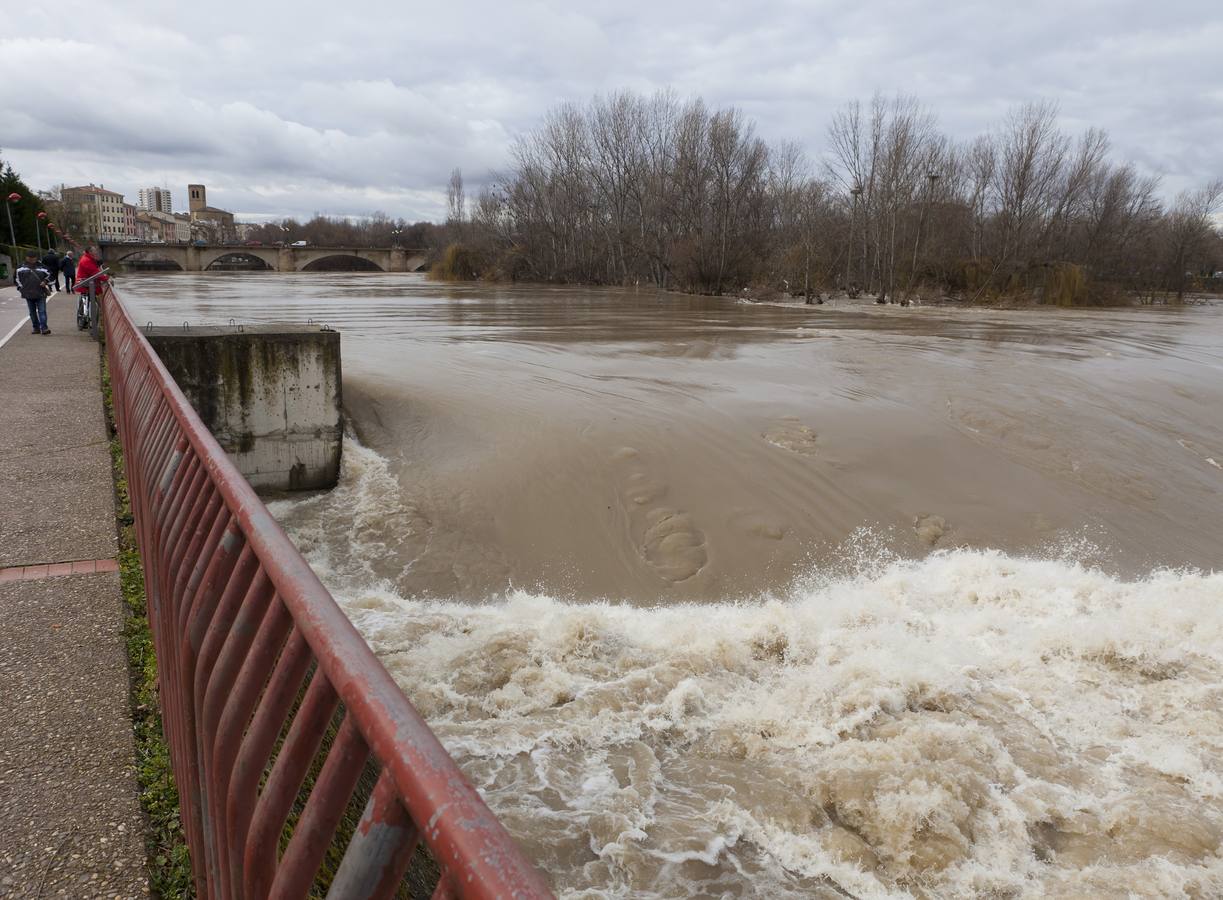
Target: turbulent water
(724, 600)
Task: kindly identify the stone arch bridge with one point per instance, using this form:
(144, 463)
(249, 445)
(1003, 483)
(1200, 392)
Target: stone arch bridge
(197, 258)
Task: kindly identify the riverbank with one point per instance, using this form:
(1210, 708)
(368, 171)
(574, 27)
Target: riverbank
(70, 816)
(865, 301)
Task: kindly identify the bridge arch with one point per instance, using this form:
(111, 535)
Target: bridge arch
(117, 253)
(308, 260)
(268, 256)
(352, 262)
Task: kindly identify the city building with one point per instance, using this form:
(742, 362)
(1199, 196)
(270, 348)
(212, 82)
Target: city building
(129, 222)
(208, 222)
(155, 199)
(167, 228)
(95, 213)
(145, 230)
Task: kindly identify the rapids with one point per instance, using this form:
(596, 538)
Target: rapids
(720, 600)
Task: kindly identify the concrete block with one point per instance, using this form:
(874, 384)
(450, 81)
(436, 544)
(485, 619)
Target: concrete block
(270, 395)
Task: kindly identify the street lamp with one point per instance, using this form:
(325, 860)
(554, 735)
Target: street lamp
(395, 233)
(8, 208)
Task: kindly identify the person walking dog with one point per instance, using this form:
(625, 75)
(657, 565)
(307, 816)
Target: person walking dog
(32, 283)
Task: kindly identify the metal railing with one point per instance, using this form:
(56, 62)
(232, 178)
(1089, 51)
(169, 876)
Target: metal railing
(280, 719)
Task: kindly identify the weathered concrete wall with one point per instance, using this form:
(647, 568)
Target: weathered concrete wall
(269, 394)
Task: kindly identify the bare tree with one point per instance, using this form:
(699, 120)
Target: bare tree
(456, 199)
(1031, 156)
(1189, 231)
(631, 188)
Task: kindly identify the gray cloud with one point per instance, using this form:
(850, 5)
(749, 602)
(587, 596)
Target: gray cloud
(289, 109)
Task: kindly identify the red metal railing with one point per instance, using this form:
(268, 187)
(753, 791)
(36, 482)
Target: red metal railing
(266, 687)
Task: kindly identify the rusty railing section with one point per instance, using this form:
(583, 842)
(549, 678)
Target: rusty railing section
(288, 737)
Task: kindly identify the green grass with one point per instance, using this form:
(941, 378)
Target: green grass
(169, 860)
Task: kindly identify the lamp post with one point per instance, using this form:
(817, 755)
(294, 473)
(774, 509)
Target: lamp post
(40, 218)
(395, 233)
(8, 208)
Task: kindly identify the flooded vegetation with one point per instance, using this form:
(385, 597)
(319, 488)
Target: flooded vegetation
(632, 189)
(723, 599)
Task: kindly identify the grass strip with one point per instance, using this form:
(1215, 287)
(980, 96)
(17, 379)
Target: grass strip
(169, 860)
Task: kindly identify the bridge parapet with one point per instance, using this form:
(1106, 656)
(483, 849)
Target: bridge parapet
(264, 680)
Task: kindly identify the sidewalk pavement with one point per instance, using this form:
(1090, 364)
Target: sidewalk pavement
(70, 818)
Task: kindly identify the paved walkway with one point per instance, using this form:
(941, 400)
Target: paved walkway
(70, 819)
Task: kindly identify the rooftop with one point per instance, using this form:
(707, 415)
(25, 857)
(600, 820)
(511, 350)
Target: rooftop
(91, 189)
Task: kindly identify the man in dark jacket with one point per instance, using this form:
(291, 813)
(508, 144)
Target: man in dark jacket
(32, 285)
(50, 262)
(67, 266)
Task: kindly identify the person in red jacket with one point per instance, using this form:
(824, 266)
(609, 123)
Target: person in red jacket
(89, 264)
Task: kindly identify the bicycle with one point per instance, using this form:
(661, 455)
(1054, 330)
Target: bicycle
(88, 307)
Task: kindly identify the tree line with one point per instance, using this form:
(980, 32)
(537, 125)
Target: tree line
(632, 189)
(376, 230)
(22, 213)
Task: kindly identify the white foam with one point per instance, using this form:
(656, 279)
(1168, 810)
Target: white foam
(966, 724)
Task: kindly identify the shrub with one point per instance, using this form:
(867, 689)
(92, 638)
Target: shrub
(458, 263)
(1065, 285)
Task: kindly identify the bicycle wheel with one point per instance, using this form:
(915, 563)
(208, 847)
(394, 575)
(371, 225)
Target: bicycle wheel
(93, 317)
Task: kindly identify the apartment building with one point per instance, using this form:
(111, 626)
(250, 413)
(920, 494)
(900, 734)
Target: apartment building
(99, 214)
(155, 199)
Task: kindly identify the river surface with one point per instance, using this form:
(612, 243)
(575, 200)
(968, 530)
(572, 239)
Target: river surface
(721, 599)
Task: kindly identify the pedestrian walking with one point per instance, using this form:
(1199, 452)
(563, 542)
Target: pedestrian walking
(32, 283)
(67, 266)
(50, 262)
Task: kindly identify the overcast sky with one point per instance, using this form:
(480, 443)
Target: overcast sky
(345, 108)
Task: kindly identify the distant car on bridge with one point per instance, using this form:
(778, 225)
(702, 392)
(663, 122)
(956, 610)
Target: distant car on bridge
(299, 244)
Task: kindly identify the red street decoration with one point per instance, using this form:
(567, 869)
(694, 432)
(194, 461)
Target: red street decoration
(14, 197)
(42, 215)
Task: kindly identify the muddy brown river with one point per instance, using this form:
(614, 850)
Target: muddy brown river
(713, 599)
